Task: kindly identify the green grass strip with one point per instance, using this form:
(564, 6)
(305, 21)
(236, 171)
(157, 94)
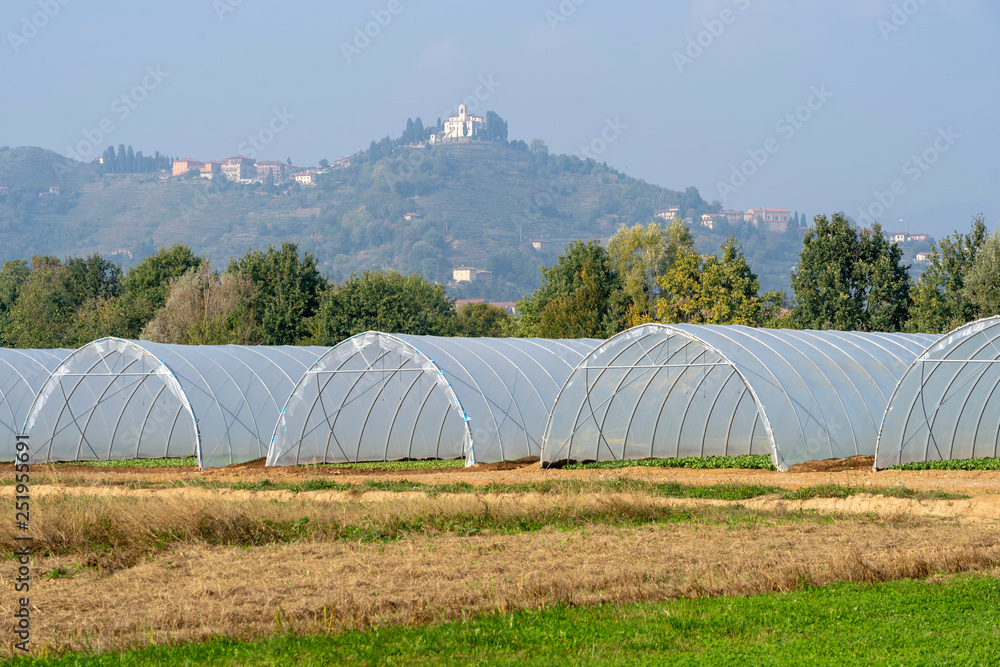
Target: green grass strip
(187, 462)
(901, 622)
(747, 461)
(393, 466)
(726, 491)
(957, 464)
(845, 491)
(192, 461)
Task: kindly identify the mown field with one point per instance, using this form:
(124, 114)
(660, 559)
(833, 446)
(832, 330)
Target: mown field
(437, 564)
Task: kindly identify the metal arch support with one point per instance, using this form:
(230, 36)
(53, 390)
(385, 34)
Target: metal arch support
(220, 406)
(930, 419)
(963, 333)
(458, 342)
(315, 369)
(475, 385)
(392, 423)
(633, 337)
(38, 402)
(648, 330)
(708, 417)
(808, 386)
(836, 387)
(776, 459)
(669, 392)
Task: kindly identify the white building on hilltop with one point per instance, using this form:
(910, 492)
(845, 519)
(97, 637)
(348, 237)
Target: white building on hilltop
(463, 126)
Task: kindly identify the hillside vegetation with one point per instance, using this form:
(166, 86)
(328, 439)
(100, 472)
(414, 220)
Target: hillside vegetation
(480, 204)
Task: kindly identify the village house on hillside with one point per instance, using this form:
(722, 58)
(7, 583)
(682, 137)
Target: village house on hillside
(242, 169)
(774, 219)
(903, 237)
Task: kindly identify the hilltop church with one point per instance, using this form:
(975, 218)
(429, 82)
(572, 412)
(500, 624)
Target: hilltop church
(463, 126)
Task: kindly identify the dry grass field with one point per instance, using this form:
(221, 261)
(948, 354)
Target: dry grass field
(140, 555)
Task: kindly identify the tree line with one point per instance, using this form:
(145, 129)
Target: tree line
(266, 297)
(127, 161)
(846, 278)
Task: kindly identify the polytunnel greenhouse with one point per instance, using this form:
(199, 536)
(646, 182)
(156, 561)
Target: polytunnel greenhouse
(121, 399)
(947, 405)
(22, 373)
(666, 391)
(382, 397)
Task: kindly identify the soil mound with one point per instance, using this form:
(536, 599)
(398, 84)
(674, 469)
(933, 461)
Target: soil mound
(835, 465)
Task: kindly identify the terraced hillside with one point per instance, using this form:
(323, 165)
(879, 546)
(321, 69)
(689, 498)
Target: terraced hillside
(476, 204)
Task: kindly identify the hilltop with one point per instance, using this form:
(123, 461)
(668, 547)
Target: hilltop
(492, 205)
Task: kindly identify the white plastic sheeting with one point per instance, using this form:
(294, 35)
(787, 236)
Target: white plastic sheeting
(665, 391)
(120, 399)
(22, 373)
(947, 405)
(383, 397)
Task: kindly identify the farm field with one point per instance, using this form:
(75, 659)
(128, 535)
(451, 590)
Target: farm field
(170, 555)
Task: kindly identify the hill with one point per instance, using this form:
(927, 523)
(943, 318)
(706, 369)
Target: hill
(499, 207)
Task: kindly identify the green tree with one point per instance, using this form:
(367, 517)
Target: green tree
(59, 302)
(849, 280)
(205, 308)
(940, 303)
(92, 278)
(496, 127)
(387, 302)
(481, 320)
(982, 284)
(43, 315)
(639, 255)
(709, 290)
(144, 289)
(287, 289)
(581, 296)
(13, 277)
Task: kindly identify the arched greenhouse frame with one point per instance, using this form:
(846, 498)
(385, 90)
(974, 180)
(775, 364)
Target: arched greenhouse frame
(120, 399)
(668, 391)
(382, 397)
(947, 404)
(22, 374)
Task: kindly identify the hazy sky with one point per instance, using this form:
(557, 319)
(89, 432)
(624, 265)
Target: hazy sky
(811, 106)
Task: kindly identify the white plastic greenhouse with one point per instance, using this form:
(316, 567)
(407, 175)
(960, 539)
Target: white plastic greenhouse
(664, 391)
(120, 399)
(947, 405)
(22, 373)
(381, 397)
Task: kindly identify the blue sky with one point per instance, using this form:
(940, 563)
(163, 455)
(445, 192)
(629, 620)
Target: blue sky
(812, 106)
